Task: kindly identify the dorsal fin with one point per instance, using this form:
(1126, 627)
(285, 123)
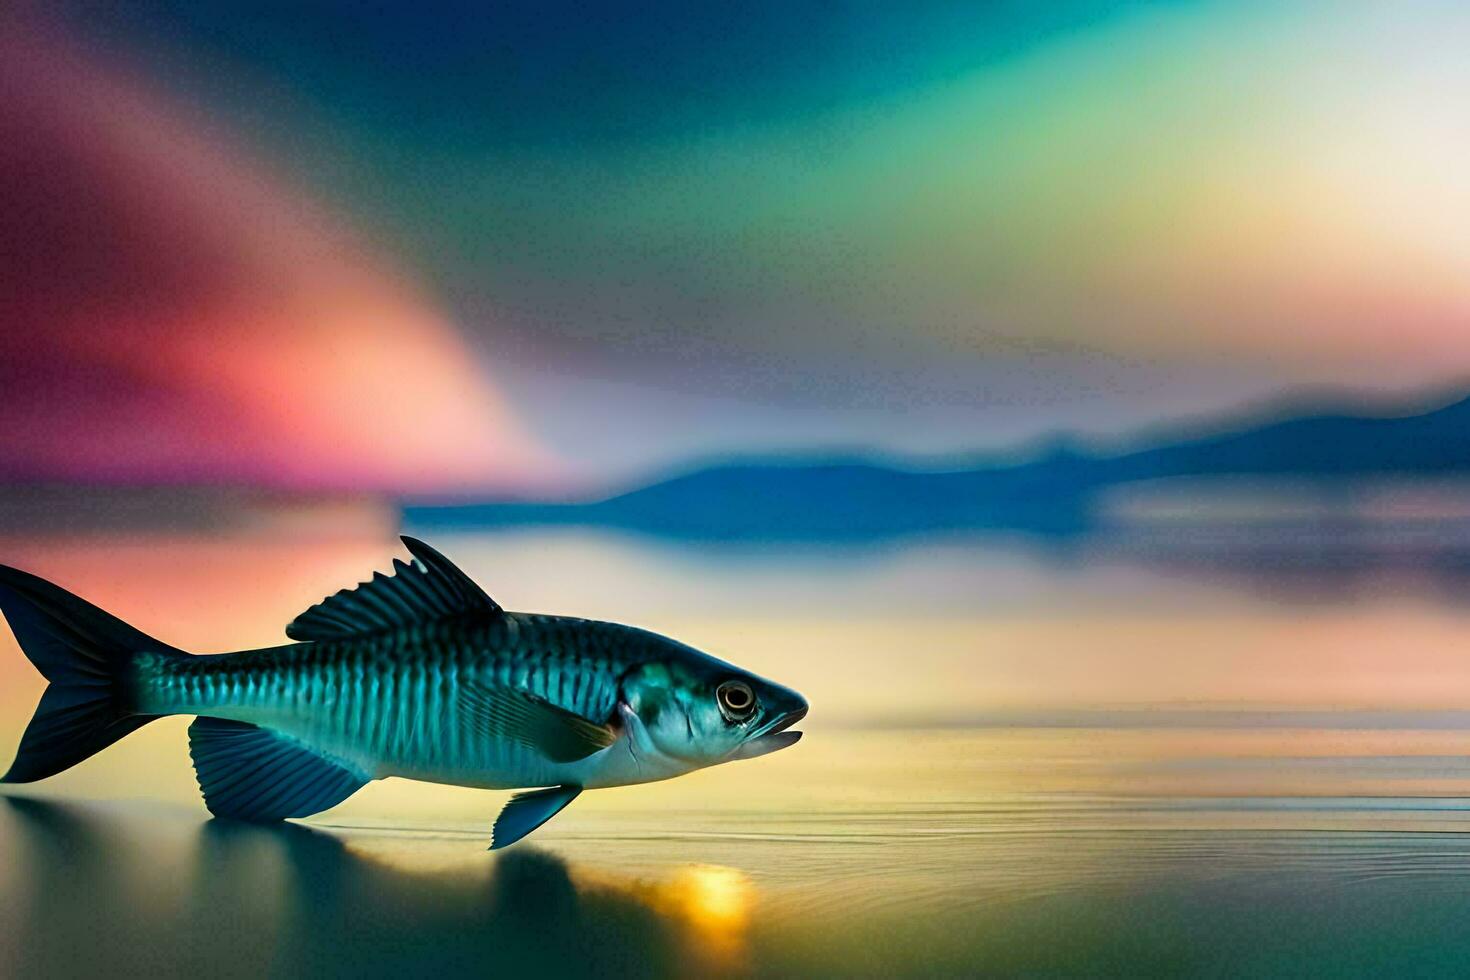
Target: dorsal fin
(428, 590)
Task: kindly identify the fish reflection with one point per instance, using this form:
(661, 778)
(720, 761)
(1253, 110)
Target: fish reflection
(115, 896)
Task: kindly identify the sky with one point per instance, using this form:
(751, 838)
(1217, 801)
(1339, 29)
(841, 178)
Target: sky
(559, 245)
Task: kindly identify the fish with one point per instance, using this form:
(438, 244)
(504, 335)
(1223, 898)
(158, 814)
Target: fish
(418, 674)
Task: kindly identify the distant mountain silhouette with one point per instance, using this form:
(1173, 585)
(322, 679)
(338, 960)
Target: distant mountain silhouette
(1054, 493)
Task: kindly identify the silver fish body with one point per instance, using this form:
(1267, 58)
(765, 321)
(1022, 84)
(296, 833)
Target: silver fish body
(419, 675)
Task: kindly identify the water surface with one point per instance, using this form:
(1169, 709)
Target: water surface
(1018, 761)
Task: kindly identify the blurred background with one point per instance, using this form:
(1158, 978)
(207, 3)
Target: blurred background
(1069, 399)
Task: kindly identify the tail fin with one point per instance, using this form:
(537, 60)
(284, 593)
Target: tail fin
(86, 654)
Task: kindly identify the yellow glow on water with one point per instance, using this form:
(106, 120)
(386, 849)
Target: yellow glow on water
(714, 903)
(713, 897)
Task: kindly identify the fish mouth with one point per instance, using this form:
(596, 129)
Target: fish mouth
(786, 721)
(773, 737)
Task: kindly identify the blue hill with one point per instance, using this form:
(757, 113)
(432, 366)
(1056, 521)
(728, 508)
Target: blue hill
(1054, 494)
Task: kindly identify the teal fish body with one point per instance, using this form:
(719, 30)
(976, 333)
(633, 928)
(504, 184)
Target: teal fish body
(418, 675)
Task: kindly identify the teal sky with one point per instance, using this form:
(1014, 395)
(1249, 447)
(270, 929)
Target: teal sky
(668, 230)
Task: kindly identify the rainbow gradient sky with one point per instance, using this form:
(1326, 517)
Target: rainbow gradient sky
(538, 244)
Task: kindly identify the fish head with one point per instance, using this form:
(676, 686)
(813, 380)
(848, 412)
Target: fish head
(704, 711)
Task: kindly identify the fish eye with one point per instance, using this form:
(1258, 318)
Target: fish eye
(736, 700)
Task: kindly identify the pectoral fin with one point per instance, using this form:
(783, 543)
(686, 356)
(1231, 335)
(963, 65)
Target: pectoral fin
(527, 811)
(558, 734)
